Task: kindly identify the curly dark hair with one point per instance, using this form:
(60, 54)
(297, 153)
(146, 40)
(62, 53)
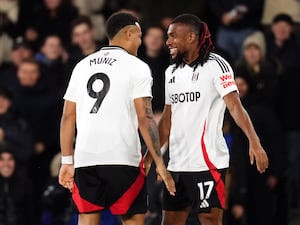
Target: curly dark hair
(201, 29)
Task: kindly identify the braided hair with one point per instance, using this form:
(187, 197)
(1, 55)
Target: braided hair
(201, 29)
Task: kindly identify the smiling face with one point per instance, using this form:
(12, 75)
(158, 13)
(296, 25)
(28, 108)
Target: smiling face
(83, 36)
(7, 164)
(178, 35)
(52, 47)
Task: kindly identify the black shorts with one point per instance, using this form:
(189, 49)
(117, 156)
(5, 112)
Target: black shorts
(119, 188)
(199, 190)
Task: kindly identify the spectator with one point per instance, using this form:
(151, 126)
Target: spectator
(236, 21)
(262, 70)
(15, 191)
(19, 52)
(274, 7)
(52, 17)
(254, 196)
(8, 15)
(282, 44)
(92, 9)
(31, 92)
(155, 54)
(8, 18)
(35, 103)
(83, 42)
(51, 58)
(15, 130)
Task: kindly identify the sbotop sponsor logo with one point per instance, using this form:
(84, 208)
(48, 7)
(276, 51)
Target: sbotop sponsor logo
(185, 97)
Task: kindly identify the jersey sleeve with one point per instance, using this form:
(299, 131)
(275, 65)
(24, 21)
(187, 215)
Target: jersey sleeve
(223, 76)
(72, 89)
(143, 82)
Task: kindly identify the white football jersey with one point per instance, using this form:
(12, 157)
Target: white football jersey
(104, 85)
(196, 98)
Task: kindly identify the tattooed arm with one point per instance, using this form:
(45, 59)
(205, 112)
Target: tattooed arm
(149, 131)
(164, 126)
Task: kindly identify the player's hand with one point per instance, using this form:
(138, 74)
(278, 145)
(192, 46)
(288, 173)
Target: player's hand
(167, 178)
(147, 162)
(66, 176)
(259, 155)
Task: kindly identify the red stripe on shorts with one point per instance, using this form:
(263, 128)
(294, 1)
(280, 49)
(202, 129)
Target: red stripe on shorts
(82, 204)
(220, 187)
(122, 205)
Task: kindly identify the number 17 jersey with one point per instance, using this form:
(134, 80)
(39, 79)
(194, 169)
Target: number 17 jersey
(103, 86)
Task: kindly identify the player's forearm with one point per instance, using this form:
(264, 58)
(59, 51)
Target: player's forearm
(164, 134)
(67, 133)
(149, 131)
(164, 125)
(241, 117)
(243, 120)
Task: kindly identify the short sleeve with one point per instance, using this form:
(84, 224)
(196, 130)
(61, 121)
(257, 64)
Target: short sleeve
(223, 76)
(142, 84)
(72, 89)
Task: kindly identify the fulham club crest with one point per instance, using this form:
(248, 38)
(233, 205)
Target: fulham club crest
(195, 76)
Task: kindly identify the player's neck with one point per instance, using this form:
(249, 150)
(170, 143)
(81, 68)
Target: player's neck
(90, 49)
(123, 44)
(191, 57)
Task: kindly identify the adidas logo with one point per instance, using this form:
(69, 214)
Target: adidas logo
(172, 80)
(204, 204)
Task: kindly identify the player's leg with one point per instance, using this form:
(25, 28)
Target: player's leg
(215, 217)
(136, 219)
(89, 218)
(176, 209)
(211, 196)
(175, 217)
(88, 195)
(128, 185)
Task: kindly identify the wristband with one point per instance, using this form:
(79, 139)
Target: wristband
(68, 159)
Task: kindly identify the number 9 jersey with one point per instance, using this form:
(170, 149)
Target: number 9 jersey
(103, 86)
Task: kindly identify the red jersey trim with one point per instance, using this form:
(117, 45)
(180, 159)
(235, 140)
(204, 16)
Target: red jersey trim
(121, 206)
(220, 187)
(82, 204)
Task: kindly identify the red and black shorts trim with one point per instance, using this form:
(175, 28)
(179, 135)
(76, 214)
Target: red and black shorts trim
(119, 188)
(199, 190)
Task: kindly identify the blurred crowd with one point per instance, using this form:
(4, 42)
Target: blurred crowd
(42, 40)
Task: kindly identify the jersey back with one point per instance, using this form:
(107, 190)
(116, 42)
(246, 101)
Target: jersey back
(104, 85)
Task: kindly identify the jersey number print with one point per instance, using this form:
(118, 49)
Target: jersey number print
(204, 196)
(100, 95)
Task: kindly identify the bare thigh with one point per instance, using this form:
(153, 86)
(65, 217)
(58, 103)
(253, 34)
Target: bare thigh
(89, 218)
(137, 219)
(215, 217)
(175, 217)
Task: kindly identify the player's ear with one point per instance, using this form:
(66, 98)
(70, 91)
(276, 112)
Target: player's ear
(192, 37)
(127, 33)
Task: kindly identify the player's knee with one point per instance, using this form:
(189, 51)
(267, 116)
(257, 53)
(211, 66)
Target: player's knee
(210, 219)
(173, 218)
(89, 218)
